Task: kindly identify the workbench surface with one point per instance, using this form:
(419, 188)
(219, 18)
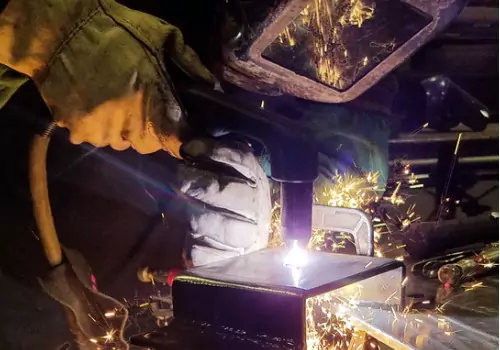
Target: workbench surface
(464, 318)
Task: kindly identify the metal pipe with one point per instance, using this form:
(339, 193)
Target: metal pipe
(491, 133)
(428, 176)
(477, 15)
(427, 239)
(461, 160)
(40, 196)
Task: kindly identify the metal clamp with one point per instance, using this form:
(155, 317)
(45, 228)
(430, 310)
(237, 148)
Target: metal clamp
(352, 221)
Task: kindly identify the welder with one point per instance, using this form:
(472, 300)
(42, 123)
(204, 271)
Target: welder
(99, 67)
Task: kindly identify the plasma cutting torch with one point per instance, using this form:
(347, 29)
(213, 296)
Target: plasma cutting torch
(262, 279)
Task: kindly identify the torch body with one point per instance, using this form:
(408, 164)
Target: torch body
(296, 212)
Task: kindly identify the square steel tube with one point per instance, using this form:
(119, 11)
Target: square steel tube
(257, 295)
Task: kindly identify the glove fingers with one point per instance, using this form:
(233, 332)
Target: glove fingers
(326, 166)
(237, 156)
(224, 232)
(201, 255)
(234, 191)
(220, 192)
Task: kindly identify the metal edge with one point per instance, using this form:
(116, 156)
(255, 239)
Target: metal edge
(390, 265)
(193, 279)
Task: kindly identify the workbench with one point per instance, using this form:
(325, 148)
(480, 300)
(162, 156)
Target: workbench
(465, 319)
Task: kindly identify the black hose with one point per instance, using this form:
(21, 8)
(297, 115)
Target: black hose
(428, 239)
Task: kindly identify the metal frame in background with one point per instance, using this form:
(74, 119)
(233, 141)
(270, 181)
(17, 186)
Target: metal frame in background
(245, 66)
(441, 169)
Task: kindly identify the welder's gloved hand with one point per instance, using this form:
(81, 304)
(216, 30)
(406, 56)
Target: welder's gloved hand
(231, 209)
(99, 66)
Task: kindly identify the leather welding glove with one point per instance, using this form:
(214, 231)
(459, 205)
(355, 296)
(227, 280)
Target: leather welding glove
(229, 190)
(99, 66)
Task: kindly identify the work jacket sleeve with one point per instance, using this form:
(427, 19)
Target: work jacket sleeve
(33, 32)
(10, 82)
(100, 68)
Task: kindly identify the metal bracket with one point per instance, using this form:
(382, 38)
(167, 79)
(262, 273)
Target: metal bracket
(352, 221)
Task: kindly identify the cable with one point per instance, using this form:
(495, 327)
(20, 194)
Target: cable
(40, 195)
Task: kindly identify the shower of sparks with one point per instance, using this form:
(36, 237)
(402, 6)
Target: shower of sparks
(332, 321)
(325, 22)
(326, 328)
(489, 265)
(110, 336)
(328, 325)
(276, 232)
(349, 191)
(328, 321)
(361, 192)
(445, 200)
(423, 321)
(405, 282)
(420, 128)
(137, 313)
(110, 314)
(440, 308)
(472, 286)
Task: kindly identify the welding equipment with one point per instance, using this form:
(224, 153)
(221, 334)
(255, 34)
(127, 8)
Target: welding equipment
(453, 274)
(323, 51)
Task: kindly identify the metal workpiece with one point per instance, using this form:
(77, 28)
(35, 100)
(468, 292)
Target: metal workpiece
(257, 301)
(421, 331)
(296, 46)
(260, 295)
(437, 317)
